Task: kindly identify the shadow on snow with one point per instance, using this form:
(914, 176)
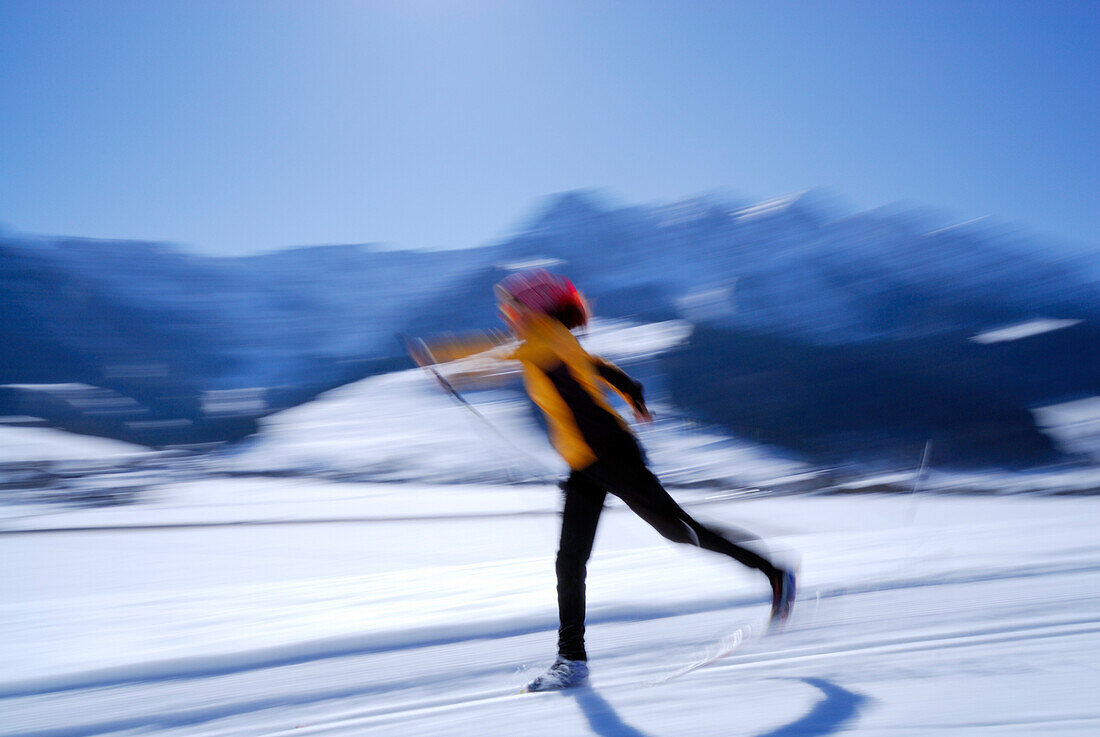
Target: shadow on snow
(601, 716)
(827, 716)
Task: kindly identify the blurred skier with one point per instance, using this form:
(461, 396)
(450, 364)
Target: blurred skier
(568, 384)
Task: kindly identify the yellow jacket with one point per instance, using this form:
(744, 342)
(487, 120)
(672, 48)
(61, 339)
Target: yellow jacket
(568, 384)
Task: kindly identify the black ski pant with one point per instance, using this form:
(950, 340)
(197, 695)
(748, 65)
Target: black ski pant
(630, 480)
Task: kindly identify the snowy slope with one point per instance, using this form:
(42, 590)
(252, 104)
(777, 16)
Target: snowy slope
(934, 616)
(310, 605)
(38, 444)
(401, 427)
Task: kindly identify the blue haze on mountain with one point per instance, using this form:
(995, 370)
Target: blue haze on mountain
(834, 333)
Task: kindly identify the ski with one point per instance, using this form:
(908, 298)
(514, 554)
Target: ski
(733, 642)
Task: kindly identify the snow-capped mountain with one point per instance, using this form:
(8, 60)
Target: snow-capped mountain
(818, 329)
(793, 265)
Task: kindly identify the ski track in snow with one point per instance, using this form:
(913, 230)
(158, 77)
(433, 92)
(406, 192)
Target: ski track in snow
(971, 616)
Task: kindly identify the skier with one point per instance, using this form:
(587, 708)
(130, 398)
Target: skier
(568, 384)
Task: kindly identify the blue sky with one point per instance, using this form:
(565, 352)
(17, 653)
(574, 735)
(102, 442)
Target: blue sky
(242, 126)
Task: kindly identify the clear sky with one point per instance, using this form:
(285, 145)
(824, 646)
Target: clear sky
(236, 126)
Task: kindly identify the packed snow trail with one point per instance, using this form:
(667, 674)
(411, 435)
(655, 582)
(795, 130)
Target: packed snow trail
(975, 616)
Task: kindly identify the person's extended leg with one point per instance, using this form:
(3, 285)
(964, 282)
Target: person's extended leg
(642, 492)
(631, 481)
(583, 504)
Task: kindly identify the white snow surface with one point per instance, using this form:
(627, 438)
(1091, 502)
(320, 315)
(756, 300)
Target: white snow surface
(320, 604)
(34, 444)
(405, 609)
(1023, 330)
(402, 427)
(1074, 425)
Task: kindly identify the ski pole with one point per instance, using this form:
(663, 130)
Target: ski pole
(422, 349)
(922, 473)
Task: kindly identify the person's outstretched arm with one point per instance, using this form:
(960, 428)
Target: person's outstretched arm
(629, 389)
(473, 358)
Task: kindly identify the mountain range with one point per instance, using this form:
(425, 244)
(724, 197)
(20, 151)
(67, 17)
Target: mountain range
(837, 335)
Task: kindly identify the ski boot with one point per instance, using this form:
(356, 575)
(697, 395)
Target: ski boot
(563, 673)
(783, 590)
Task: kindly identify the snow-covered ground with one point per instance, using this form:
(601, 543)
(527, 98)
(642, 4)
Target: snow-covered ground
(403, 609)
(401, 427)
(228, 600)
(43, 444)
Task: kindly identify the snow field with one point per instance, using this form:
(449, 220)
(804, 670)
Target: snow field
(934, 615)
